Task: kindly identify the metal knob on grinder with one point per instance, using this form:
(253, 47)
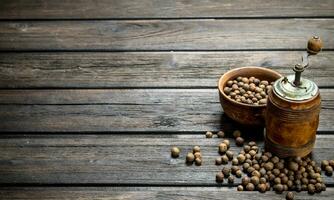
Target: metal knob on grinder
(293, 107)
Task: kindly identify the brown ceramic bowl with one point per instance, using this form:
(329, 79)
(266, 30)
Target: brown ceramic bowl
(244, 113)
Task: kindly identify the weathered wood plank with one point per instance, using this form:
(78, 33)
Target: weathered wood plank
(117, 159)
(164, 34)
(122, 110)
(147, 69)
(48, 9)
(147, 193)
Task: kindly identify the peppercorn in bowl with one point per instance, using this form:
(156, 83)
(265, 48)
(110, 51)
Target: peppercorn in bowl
(243, 93)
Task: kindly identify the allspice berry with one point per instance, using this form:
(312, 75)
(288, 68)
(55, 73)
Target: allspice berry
(220, 177)
(239, 141)
(198, 155)
(310, 188)
(278, 188)
(190, 157)
(227, 142)
(220, 134)
(175, 152)
(238, 173)
(241, 158)
(208, 134)
(250, 187)
(218, 161)
(262, 188)
(240, 188)
(235, 161)
(222, 148)
(245, 180)
(236, 133)
(196, 149)
(329, 170)
(290, 196)
(224, 159)
(226, 171)
(198, 161)
(230, 155)
(230, 179)
(293, 166)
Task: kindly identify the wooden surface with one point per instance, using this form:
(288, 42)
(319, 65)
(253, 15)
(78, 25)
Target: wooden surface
(93, 94)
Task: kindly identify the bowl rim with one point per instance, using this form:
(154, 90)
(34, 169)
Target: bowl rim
(221, 91)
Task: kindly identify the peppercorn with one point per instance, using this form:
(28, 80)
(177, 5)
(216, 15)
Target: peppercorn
(198, 155)
(252, 143)
(329, 170)
(235, 161)
(190, 157)
(230, 179)
(239, 141)
(240, 188)
(198, 161)
(247, 148)
(245, 180)
(250, 187)
(220, 134)
(290, 196)
(220, 177)
(226, 171)
(238, 173)
(293, 166)
(208, 134)
(229, 155)
(331, 163)
(227, 142)
(218, 161)
(262, 188)
(278, 188)
(324, 163)
(241, 158)
(277, 180)
(224, 159)
(311, 188)
(252, 153)
(318, 187)
(255, 180)
(222, 148)
(256, 173)
(196, 149)
(234, 169)
(236, 133)
(175, 152)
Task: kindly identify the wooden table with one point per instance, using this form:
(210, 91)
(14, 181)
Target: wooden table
(94, 94)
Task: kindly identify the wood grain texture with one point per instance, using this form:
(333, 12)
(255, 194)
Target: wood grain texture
(122, 110)
(48, 9)
(147, 69)
(147, 193)
(118, 159)
(203, 34)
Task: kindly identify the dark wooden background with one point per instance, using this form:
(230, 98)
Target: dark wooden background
(94, 93)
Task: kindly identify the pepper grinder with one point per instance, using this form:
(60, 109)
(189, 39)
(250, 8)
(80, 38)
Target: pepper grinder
(292, 115)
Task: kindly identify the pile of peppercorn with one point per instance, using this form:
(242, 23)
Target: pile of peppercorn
(262, 171)
(248, 90)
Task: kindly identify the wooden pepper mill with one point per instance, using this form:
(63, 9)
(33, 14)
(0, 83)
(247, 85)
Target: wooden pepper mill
(293, 108)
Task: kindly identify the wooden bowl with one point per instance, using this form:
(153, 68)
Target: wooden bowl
(246, 114)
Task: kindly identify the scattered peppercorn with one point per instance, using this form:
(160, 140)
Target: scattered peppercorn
(220, 134)
(218, 161)
(230, 179)
(239, 141)
(208, 134)
(175, 152)
(290, 196)
(198, 161)
(222, 148)
(190, 157)
(236, 133)
(196, 149)
(240, 188)
(220, 177)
